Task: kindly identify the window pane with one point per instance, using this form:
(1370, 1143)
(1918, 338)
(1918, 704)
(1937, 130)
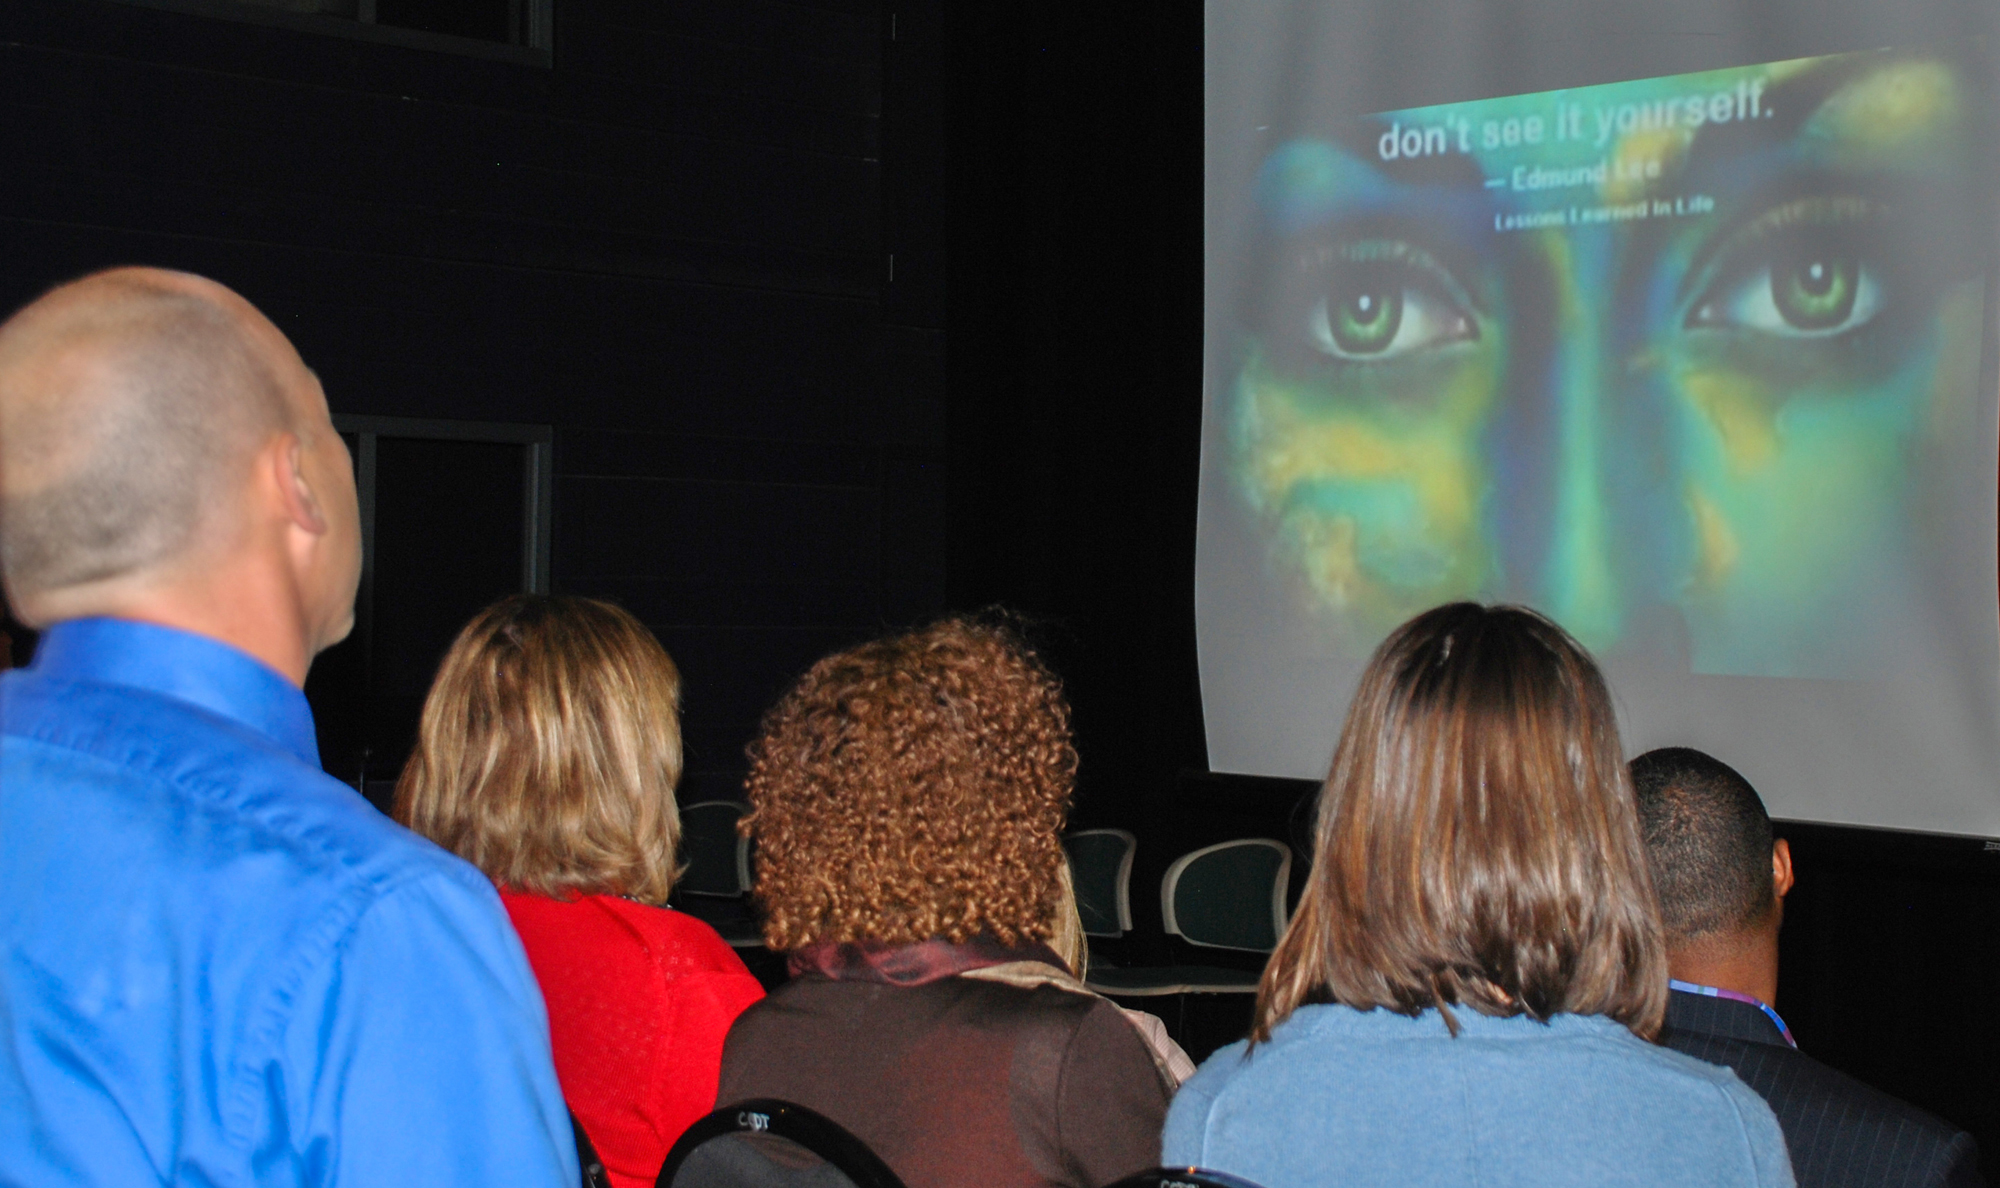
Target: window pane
(487, 20)
(339, 8)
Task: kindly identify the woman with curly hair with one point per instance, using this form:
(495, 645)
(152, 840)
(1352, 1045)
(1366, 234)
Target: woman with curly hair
(547, 756)
(1467, 990)
(907, 802)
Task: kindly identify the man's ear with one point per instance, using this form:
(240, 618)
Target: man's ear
(301, 504)
(1781, 869)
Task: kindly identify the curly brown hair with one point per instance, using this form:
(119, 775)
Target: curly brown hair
(914, 788)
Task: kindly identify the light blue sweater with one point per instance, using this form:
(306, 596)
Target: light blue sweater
(1359, 1098)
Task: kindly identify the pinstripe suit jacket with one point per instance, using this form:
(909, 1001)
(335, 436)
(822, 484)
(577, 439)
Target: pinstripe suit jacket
(1841, 1133)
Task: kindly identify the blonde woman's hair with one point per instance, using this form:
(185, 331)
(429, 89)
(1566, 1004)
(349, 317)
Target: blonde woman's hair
(1068, 939)
(1478, 844)
(549, 750)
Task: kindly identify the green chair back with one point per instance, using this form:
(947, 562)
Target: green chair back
(1229, 896)
(1100, 864)
(718, 860)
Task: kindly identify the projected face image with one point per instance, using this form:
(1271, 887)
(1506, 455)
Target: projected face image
(1677, 359)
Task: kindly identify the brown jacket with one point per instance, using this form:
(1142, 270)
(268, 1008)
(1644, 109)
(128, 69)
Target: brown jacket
(959, 1082)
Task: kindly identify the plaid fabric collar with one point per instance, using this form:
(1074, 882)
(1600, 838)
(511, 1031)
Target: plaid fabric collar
(910, 965)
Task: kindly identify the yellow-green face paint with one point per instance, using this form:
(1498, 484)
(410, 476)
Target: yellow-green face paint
(1678, 355)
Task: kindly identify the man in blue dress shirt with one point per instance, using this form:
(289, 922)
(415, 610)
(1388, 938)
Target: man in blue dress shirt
(218, 965)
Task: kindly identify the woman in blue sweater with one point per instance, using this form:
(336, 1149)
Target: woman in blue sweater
(1467, 993)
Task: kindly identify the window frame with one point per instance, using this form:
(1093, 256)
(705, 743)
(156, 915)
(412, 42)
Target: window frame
(539, 52)
(537, 481)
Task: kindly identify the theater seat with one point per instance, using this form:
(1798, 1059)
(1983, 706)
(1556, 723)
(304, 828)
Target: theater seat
(1226, 896)
(715, 887)
(767, 1143)
(1229, 896)
(594, 1175)
(1159, 981)
(718, 857)
(1100, 864)
(1183, 1177)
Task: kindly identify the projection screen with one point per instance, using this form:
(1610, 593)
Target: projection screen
(1699, 363)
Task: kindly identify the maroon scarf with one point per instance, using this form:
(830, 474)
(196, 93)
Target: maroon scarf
(910, 965)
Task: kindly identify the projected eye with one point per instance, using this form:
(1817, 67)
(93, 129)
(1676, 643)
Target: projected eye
(1797, 273)
(1813, 297)
(1381, 309)
(1364, 323)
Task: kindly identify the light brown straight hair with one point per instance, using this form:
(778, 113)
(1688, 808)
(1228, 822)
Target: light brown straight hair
(549, 749)
(1477, 840)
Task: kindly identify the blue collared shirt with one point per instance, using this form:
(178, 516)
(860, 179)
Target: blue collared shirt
(219, 965)
(1736, 996)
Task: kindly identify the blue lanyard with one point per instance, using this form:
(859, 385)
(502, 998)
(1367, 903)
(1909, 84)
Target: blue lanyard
(1736, 996)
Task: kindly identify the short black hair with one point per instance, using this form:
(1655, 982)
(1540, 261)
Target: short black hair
(1708, 841)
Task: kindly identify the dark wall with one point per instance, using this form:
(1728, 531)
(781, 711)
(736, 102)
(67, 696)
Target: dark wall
(1886, 935)
(1075, 368)
(669, 246)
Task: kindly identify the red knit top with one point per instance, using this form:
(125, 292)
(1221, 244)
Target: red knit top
(639, 1001)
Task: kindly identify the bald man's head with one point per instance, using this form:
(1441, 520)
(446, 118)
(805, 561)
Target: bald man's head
(131, 406)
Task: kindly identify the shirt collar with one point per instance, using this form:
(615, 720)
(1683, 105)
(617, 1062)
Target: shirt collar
(1736, 996)
(180, 664)
(910, 965)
